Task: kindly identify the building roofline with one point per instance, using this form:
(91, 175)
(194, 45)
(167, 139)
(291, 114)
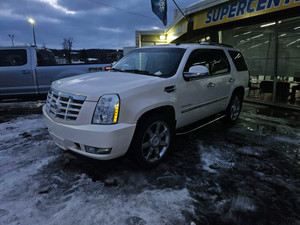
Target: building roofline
(149, 32)
(196, 7)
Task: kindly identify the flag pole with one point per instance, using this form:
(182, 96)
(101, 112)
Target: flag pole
(181, 11)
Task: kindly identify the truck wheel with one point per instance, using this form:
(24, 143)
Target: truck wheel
(152, 140)
(234, 108)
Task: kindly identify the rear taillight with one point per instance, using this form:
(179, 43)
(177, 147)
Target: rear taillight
(107, 68)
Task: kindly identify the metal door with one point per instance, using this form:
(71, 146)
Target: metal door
(16, 75)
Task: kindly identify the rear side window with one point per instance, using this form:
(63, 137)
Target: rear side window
(214, 59)
(45, 58)
(16, 57)
(238, 61)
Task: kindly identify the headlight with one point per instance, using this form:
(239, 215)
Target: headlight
(107, 110)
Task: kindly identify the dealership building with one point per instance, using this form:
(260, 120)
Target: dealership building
(266, 31)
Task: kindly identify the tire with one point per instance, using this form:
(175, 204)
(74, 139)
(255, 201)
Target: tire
(152, 140)
(234, 108)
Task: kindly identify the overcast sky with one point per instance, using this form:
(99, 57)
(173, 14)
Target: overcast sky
(91, 25)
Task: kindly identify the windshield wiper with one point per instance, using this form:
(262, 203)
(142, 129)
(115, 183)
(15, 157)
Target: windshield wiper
(145, 72)
(118, 70)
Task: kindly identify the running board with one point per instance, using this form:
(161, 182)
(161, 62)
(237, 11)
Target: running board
(197, 125)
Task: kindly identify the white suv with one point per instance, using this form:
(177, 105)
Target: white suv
(147, 97)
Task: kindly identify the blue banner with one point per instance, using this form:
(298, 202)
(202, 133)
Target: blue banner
(159, 7)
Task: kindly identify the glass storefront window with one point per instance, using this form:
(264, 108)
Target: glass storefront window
(288, 66)
(259, 44)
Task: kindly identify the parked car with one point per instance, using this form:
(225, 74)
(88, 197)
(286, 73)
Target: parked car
(30, 71)
(149, 95)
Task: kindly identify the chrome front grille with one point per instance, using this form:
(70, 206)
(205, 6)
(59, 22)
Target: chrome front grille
(63, 105)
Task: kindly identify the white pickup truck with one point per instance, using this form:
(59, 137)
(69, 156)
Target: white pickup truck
(147, 97)
(30, 71)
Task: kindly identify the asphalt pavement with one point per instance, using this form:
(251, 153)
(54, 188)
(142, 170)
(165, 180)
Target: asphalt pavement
(245, 174)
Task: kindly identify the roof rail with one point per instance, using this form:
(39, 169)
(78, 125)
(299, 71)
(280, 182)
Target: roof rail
(216, 44)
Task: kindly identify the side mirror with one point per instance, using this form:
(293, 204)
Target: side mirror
(196, 72)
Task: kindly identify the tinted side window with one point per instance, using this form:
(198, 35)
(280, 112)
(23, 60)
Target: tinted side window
(52, 58)
(214, 59)
(16, 57)
(238, 61)
(45, 58)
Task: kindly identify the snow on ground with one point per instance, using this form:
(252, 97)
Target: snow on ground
(20, 152)
(34, 191)
(245, 174)
(250, 169)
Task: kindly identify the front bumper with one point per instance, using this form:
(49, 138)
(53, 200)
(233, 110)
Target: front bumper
(77, 137)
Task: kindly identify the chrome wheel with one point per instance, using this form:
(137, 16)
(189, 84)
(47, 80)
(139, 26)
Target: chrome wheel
(156, 141)
(235, 108)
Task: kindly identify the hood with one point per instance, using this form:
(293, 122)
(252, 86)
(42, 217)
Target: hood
(94, 85)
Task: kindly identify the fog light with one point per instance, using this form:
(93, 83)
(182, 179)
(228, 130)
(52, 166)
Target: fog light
(100, 151)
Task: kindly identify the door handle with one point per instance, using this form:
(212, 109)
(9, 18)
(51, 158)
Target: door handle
(210, 84)
(25, 71)
(231, 79)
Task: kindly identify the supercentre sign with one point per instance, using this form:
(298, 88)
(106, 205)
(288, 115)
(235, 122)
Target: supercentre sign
(237, 10)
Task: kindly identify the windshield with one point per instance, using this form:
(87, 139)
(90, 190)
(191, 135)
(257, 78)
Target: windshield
(162, 62)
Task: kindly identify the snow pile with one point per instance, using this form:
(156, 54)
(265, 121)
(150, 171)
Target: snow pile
(91, 203)
(38, 186)
(214, 158)
(152, 207)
